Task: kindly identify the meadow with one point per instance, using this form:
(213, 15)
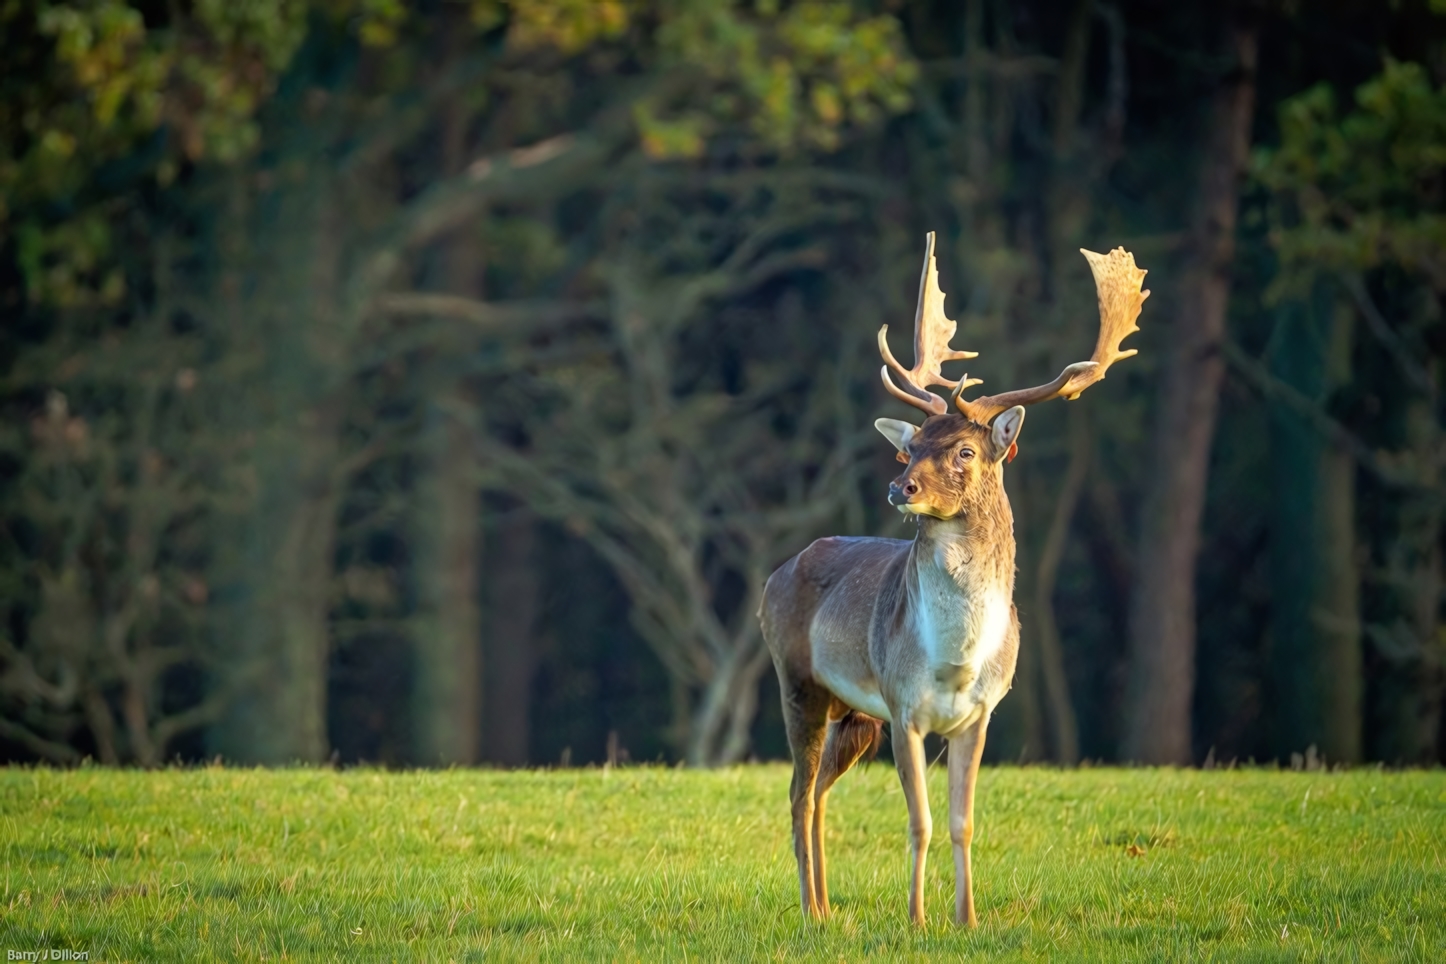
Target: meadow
(658, 864)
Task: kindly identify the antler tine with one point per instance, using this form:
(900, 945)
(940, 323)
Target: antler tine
(932, 333)
(1118, 284)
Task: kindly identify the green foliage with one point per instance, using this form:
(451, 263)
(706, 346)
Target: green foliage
(204, 73)
(653, 864)
(568, 25)
(69, 265)
(1365, 188)
(104, 81)
(1359, 201)
(379, 21)
(793, 77)
(99, 83)
(520, 254)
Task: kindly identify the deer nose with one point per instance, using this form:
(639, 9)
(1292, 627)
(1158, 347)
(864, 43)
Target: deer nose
(902, 494)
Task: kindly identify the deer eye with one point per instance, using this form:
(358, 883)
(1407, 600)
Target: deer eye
(965, 454)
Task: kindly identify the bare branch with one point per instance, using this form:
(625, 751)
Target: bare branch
(1004, 66)
(732, 280)
(1388, 338)
(409, 113)
(489, 317)
(22, 679)
(49, 749)
(1267, 384)
(555, 499)
(207, 711)
(548, 167)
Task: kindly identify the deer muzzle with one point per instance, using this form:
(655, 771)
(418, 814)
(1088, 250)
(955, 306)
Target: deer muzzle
(902, 492)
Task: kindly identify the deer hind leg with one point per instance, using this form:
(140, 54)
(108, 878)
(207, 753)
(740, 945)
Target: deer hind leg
(805, 717)
(850, 736)
(908, 745)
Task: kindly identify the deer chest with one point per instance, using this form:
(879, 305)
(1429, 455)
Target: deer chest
(959, 635)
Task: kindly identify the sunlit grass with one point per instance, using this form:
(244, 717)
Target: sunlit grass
(645, 864)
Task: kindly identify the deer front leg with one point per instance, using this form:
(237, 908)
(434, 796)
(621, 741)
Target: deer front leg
(908, 746)
(965, 751)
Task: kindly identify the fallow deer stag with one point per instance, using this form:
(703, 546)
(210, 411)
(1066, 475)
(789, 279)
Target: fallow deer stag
(923, 633)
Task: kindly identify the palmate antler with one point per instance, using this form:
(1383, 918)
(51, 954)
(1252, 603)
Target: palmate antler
(932, 332)
(1118, 284)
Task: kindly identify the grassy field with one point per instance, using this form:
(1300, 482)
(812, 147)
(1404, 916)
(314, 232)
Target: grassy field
(646, 864)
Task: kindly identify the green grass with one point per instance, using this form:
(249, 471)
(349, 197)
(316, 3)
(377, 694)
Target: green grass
(645, 864)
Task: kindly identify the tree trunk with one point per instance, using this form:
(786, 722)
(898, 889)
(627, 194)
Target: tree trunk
(1019, 730)
(511, 637)
(719, 732)
(448, 664)
(277, 564)
(1408, 694)
(1162, 625)
(447, 672)
(744, 711)
(1315, 665)
(279, 602)
(1063, 726)
(1052, 728)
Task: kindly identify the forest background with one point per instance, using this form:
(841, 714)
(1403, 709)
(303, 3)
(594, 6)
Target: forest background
(438, 383)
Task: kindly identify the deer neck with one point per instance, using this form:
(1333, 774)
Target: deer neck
(973, 550)
(960, 575)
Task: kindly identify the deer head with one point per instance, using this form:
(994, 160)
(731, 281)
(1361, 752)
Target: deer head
(955, 458)
(953, 462)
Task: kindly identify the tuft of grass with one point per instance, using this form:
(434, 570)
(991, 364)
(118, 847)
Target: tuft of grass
(648, 864)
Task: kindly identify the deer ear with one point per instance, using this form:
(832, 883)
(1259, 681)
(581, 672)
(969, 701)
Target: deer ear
(1006, 432)
(896, 431)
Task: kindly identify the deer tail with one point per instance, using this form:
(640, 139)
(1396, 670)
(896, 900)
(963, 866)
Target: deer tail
(857, 737)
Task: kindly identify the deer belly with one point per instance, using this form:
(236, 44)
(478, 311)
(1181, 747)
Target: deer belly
(861, 694)
(838, 653)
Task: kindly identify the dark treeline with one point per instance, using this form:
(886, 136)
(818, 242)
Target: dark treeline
(439, 383)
